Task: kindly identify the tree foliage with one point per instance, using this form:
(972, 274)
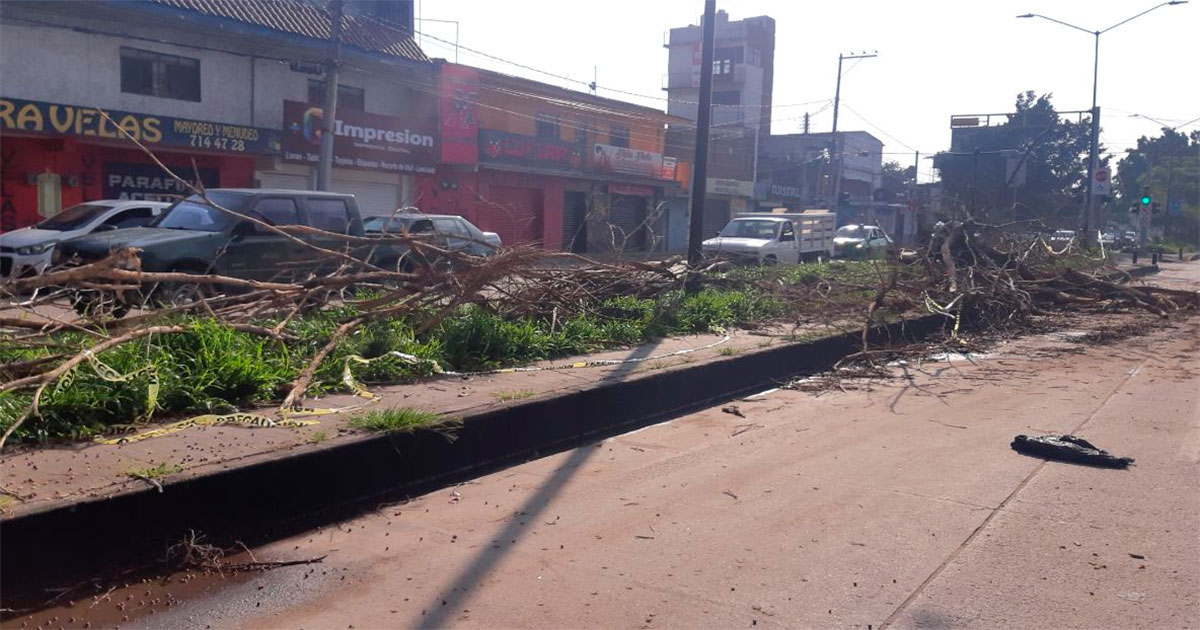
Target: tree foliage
(1169, 165)
(1031, 166)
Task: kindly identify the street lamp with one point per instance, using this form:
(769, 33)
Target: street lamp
(1089, 218)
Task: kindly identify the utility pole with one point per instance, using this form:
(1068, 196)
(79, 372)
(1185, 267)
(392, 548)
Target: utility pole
(806, 123)
(329, 114)
(703, 114)
(835, 145)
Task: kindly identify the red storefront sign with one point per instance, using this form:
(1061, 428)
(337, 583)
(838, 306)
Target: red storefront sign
(460, 114)
(511, 148)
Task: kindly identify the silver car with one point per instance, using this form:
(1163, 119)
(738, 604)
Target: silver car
(28, 251)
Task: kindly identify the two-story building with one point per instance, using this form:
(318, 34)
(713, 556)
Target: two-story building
(222, 92)
(554, 167)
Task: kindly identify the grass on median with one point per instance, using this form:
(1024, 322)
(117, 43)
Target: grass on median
(516, 394)
(213, 369)
(395, 419)
(154, 472)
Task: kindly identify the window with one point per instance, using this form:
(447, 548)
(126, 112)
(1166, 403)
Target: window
(277, 211)
(133, 217)
(619, 136)
(330, 215)
(546, 126)
(725, 58)
(787, 233)
(156, 74)
(450, 226)
(349, 98)
(727, 98)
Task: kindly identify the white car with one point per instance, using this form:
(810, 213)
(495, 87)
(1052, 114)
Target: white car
(28, 251)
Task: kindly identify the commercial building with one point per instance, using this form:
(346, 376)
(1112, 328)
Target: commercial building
(544, 165)
(221, 91)
(743, 72)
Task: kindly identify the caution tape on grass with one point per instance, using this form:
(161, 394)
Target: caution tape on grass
(934, 307)
(128, 433)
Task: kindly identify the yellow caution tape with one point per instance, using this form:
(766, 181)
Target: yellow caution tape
(244, 419)
(934, 307)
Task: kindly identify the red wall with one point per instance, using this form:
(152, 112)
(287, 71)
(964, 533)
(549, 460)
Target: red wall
(470, 195)
(68, 158)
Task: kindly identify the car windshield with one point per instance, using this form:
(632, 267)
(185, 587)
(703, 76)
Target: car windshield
(851, 231)
(74, 217)
(751, 228)
(193, 214)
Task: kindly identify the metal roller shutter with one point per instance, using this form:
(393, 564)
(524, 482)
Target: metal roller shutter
(513, 213)
(627, 216)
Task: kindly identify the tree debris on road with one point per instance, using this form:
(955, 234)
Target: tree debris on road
(1068, 448)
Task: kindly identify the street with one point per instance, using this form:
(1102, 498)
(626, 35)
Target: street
(895, 502)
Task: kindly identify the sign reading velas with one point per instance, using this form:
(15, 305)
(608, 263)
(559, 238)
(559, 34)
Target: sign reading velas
(511, 148)
(360, 140)
(148, 182)
(153, 131)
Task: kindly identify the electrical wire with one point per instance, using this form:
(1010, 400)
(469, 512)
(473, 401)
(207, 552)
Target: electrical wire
(876, 127)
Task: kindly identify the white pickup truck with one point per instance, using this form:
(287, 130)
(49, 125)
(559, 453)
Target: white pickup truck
(770, 238)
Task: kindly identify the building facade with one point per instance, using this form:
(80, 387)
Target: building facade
(206, 87)
(551, 167)
(743, 73)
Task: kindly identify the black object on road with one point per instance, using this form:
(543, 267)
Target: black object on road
(1068, 448)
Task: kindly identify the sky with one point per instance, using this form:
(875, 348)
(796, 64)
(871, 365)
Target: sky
(937, 58)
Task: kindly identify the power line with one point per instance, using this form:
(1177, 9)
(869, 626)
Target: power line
(876, 127)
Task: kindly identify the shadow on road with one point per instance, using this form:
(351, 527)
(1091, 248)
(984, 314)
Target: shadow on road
(443, 606)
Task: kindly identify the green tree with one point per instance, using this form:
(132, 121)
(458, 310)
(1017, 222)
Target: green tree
(896, 179)
(1170, 165)
(1032, 166)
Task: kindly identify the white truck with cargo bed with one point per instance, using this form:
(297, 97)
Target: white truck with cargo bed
(770, 238)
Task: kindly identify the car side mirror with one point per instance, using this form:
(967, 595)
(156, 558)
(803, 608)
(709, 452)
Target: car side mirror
(241, 231)
(105, 227)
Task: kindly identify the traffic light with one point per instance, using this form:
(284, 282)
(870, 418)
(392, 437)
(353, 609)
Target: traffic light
(1146, 196)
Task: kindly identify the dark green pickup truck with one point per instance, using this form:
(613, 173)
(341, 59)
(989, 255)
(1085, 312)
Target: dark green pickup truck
(193, 237)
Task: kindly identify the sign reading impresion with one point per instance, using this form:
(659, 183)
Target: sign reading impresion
(153, 131)
(363, 141)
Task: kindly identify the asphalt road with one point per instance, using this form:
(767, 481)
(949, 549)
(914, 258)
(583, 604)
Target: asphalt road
(892, 502)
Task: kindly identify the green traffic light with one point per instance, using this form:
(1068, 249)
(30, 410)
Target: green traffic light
(1146, 201)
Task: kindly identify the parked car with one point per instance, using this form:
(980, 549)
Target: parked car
(192, 236)
(860, 241)
(1108, 239)
(28, 251)
(447, 231)
(770, 238)
(1062, 237)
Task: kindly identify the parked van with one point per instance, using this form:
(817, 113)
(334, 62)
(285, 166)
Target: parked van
(769, 238)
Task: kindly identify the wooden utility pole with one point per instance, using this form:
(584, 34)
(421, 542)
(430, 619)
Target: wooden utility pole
(700, 163)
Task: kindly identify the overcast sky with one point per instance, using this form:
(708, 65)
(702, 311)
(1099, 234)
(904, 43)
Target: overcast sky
(936, 57)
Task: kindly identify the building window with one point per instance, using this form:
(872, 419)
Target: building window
(156, 74)
(754, 57)
(619, 136)
(725, 58)
(349, 98)
(727, 98)
(546, 126)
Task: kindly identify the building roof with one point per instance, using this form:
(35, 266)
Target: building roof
(309, 19)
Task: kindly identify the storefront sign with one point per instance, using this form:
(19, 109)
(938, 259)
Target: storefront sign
(460, 114)
(511, 148)
(668, 168)
(631, 190)
(364, 141)
(784, 191)
(610, 159)
(152, 131)
(148, 182)
(731, 187)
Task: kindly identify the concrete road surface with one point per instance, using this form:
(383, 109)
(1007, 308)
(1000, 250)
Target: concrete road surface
(893, 503)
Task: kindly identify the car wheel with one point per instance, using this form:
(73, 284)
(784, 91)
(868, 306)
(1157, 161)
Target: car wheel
(770, 261)
(180, 294)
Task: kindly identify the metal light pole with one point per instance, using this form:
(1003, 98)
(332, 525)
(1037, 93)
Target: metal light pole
(1089, 213)
(835, 146)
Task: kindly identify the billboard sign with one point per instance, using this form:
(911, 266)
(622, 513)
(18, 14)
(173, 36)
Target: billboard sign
(372, 142)
(460, 114)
